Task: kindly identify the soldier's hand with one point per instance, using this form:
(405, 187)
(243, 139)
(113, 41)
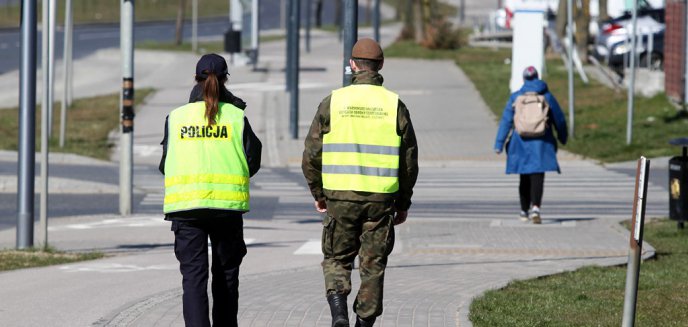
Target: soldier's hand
(321, 206)
(400, 217)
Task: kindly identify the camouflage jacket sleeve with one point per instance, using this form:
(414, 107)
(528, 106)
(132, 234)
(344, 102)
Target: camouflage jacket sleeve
(408, 158)
(312, 153)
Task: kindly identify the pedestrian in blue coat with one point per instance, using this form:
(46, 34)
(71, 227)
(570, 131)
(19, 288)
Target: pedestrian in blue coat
(531, 157)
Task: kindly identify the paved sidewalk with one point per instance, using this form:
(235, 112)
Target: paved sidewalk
(462, 237)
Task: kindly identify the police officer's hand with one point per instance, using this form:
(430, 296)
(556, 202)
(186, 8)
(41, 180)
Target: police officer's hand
(400, 217)
(321, 206)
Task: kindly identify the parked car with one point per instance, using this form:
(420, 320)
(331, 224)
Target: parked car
(650, 54)
(616, 31)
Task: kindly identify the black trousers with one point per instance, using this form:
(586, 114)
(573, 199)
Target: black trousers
(530, 189)
(228, 250)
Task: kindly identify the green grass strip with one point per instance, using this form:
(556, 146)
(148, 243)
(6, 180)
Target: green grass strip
(20, 259)
(594, 296)
(89, 122)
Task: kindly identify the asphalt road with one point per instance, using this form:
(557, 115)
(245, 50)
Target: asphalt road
(90, 38)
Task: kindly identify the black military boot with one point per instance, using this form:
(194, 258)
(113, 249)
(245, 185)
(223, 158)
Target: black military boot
(360, 322)
(340, 314)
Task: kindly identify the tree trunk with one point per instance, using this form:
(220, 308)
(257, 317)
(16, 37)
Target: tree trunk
(419, 21)
(400, 10)
(408, 32)
(583, 29)
(179, 29)
(318, 13)
(560, 24)
(425, 14)
(604, 15)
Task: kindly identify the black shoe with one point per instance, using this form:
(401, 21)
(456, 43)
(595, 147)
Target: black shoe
(360, 322)
(340, 314)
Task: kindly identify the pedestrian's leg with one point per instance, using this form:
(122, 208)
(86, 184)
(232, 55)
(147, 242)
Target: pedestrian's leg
(191, 249)
(537, 186)
(524, 191)
(339, 245)
(228, 250)
(377, 242)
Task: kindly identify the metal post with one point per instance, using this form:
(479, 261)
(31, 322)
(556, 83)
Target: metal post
(46, 118)
(27, 126)
(650, 49)
(309, 12)
(287, 67)
(294, 20)
(52, 8)
(376, 21)
(462, 11)
(43, 209)
(569, 64)
(350, 30)
(631, 82)
(255, 39)
(126, 142)
(636, 242)
(45, 62)
(67, 67)
(284, 13)
(685, 56)
(194, 26)
(625, 56)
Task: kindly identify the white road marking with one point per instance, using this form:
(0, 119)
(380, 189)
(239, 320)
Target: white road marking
(112, 223)
(114, 267)
(309, 248)
(147, 150)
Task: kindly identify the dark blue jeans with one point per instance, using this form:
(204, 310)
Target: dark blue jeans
(228, 250)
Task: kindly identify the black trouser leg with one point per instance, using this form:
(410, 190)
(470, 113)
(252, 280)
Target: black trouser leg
(191, 249)
(524, 191)
(537, 186)
(530, 189)
(228, 250)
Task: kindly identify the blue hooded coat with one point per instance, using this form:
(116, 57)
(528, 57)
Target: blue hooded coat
(531, 155)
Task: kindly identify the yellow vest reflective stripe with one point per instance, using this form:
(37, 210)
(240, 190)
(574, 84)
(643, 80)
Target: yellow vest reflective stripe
(205, 167)
(361, 151)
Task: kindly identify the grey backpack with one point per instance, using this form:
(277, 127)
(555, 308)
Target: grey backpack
(531, 112)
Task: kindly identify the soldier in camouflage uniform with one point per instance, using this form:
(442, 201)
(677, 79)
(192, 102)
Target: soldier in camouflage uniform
(344, 174)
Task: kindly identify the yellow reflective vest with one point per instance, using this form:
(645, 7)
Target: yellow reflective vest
(206, 167)
(361, 151)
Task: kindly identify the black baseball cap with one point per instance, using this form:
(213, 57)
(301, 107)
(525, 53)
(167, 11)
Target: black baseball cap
(211, 63)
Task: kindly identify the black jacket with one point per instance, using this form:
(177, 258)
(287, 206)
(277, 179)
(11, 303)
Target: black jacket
(252, 150)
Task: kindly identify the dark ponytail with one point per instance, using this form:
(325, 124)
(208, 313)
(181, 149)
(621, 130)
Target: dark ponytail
(211, 96)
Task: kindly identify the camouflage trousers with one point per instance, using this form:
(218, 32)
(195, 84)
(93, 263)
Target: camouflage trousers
(365, 229)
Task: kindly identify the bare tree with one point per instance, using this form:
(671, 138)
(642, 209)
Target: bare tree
(582, 16)
(179, 29)
(603, 14)
(560, 24)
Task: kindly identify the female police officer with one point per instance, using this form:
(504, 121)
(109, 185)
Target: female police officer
(209, 153)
